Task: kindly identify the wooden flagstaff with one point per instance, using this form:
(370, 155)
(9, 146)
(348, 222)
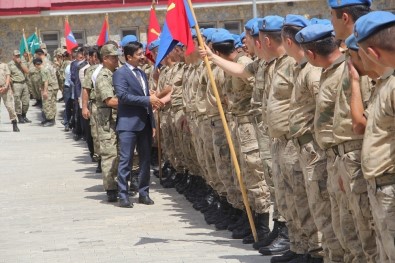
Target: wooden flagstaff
(226, 128)
(158, 134)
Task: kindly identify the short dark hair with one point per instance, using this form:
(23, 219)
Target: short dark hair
(384, 38)
(93, 51)
(275, 36)
(290, 32)
(355, 11)
(322, 47)
(226, 48)
(131, 48)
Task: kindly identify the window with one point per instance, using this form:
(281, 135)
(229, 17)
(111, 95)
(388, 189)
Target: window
(208, 25)
(130, 31)
(51, 39)
(232, 26)
(80, 37)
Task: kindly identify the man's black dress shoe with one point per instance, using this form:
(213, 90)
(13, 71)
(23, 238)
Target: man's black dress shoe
(125, 203)
(145, 200)
(112, 196)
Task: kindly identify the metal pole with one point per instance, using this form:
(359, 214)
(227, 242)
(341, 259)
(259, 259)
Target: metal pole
(254, 10)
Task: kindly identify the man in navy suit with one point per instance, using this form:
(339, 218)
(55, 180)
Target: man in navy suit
(136, 125)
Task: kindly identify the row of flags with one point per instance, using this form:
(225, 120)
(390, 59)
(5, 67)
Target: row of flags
(179, 20)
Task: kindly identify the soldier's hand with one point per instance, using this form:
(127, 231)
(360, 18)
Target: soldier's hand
(86, 113)
(155, 102)
(45, 95)
(153, 132)
(206, 51)
(3, 90)
(353, 73)
(341, 185)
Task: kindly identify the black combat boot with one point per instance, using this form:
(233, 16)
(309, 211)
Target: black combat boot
(269, 239)
(280, 245)
(25, 118)
(243, 230)
(20, 119)
(262, 228)
(49, 123)
(98, 168)
(15, 126)
(112, 196)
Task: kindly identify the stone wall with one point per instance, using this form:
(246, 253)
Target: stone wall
(11, 28)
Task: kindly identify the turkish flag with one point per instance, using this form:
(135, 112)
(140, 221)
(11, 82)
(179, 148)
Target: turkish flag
(153, 32)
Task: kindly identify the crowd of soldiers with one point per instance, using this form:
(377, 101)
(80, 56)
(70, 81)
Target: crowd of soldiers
(310, 105)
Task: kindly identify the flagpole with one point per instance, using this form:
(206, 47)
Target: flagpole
(226, 128)
(26, 46)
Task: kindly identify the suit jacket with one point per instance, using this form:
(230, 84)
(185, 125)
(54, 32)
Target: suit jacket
(134, 108)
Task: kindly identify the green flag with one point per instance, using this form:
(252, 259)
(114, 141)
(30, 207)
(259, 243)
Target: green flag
(32, 43)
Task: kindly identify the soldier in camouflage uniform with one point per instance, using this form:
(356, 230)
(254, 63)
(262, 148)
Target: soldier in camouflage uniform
(89, 107)
(107, 104)
(6, 94)
(49, 89)
(332, 62)
(34, 84)
(377, 158)
(19, 87)
(311, 157)
(350, 144)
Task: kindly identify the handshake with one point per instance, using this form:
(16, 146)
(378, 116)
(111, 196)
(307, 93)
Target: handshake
(159, 100)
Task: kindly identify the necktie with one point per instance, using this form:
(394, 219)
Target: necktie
(139, 78)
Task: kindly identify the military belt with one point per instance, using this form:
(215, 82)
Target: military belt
(19, 82)
(385, 179)
(349, 146)
(305, 138)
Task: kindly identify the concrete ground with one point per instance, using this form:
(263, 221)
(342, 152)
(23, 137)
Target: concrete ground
(53, 209)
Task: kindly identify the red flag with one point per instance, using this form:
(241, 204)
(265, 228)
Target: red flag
(153, 31)
(179, 20)
(103, 37)
(68, 35)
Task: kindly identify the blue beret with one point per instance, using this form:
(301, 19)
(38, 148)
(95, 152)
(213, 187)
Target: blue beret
(342, 3)
(216, 30)
(371, 23)
(242, 35)
(153, 44)
(237, 40)
(127, 39)
(296, 20)
(249, 23)
(219, 37)
(313, 33)
(271, 23)
(207, 32)
(255, 28)
(144, 46)
(315, 20)
(351, 42)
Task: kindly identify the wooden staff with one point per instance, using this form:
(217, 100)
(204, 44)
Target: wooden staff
(226, 128)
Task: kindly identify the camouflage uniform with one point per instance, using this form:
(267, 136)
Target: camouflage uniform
(342, 221)
(378, 161)
(287, 173)
(20, 88)
(205, 134)
(348, 165)
(88, 84)
(313, 161)
(238, 94)
(106, 119)
(49, 105)
(8, 98)
(34, 79)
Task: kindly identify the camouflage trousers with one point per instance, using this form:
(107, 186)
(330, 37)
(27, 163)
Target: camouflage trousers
(383, 209)
(198, 144)
(21, 97)
(94, 127)
(49, 105)
(8, 100)
(189, 147)
(167, 140)
(206, 136)
(286, 174)
(342, 220)
(264, 143)
(182, 159)
(252, 165)
(355, 186)
(34, 85)
(313, 161)
(108, 149)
